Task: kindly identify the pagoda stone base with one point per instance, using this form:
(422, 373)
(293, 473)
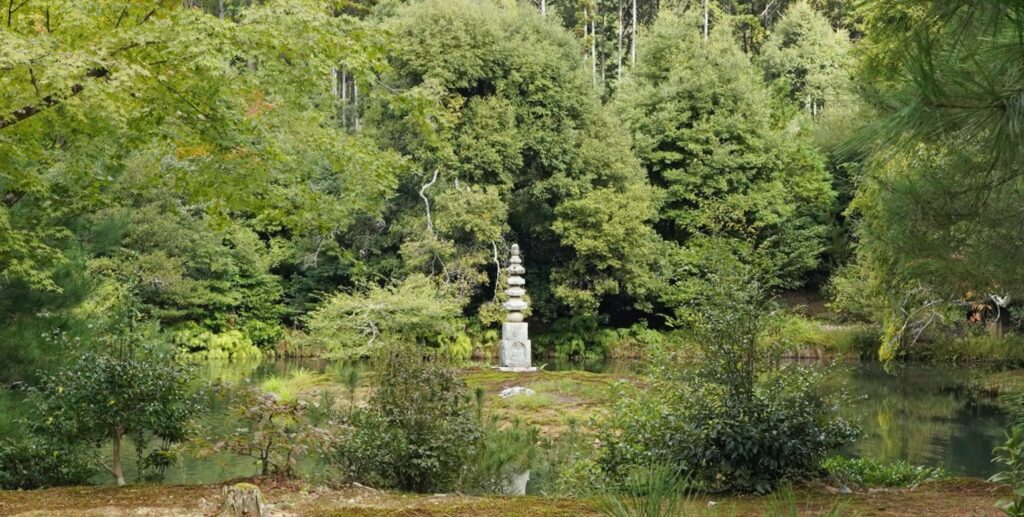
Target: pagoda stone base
(514, 350)
(516, 369)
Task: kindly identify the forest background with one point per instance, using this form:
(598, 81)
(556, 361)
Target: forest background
(316, 178)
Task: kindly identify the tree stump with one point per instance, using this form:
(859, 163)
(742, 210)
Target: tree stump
(242, 499)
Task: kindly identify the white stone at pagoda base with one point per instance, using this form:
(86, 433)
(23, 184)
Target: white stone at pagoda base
(514, 352)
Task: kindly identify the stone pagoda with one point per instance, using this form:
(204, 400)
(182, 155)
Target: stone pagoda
(514, 351)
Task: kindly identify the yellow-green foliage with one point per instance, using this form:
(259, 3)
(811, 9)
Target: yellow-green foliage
(459, 347)
(296, 384)
(797, 333)
(873, 473)
(198, 344)
(416, 310)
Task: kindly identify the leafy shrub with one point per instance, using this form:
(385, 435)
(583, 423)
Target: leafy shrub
(873, 473)
(731, 420)
(1011, 455)
(414, 311)
(419, 431)
(368, 450)
(201, 344)
(102, 398)
(32, 462)
(271, 430)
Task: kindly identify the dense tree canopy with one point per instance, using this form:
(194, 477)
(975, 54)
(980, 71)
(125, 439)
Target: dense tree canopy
(252, 174)
(176, 156)
(509, 144)
(733, 167)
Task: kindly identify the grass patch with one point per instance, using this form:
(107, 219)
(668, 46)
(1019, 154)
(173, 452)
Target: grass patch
(1008, 349)
(1007, 382)
(525, 402)
(559, 396)
(806, 337)
(299, 383)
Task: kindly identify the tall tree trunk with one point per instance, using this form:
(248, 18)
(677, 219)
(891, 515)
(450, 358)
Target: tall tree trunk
(344, 98)
(601, 52)
(355, 104)
(618, 52)
(115, 469)
(544, 8)
(593, 49)
(705, 20)
(220, 6)
(632, 37)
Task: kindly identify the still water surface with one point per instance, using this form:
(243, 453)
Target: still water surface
(927, 415)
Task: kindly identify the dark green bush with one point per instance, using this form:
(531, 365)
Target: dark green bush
(369, 451)
(419, 431)
(779, 431)
(104, 398)
(29, 463)
(732, 419)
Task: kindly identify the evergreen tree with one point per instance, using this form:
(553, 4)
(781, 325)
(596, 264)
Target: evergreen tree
(941, 218)
(704, 127)
(809, 56)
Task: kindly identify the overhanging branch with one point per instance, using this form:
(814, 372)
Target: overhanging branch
(49, 101)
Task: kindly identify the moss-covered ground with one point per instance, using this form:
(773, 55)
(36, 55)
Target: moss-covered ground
(558, 398)
(958, 497)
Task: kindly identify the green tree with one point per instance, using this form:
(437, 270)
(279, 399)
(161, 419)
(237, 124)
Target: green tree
(103, 399)
(416, 310)
(732, 169)
(124, 125)
(812, 58)
(940, 223)
(509, 143)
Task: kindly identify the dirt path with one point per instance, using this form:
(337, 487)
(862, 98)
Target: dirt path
(950, 498)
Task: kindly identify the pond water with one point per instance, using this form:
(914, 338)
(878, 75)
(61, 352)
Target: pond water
(927, 415)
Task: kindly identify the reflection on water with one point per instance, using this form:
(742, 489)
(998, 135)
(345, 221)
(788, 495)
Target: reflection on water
(927, 415)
